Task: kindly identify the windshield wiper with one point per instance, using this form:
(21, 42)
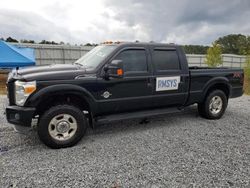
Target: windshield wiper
(78, 64)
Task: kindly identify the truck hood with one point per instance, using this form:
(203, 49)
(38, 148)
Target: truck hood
(47, 72)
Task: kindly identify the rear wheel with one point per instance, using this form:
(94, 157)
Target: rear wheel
(62, 126)
(214, 105)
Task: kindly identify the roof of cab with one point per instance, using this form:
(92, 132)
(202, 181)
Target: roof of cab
(129, 44)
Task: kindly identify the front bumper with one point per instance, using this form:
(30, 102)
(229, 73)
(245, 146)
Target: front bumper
(18, 115)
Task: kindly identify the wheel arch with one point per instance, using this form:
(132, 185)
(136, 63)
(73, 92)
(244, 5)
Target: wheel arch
(220, 83)
(63, 93)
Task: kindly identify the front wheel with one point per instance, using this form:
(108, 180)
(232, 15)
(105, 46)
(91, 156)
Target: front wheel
(214, 105)
(62, 126)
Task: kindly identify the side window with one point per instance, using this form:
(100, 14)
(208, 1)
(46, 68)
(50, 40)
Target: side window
(133, 60)
(166, 60)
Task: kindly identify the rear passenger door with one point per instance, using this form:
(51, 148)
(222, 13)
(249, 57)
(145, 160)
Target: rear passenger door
(170, 79)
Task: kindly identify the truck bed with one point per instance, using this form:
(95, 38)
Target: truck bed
(202, 77)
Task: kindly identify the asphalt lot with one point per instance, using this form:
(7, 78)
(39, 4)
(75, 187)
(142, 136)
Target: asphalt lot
(180, 150)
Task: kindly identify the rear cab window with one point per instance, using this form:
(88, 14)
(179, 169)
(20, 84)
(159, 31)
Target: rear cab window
(165, 60)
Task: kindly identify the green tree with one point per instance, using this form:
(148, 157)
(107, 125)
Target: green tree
(87, 44)
(213, 57)
(9, 39)
(247, 67)
(48, 42)
(195, 49)
(234, 44)
(247, 75)
(245, 46)
(90, 44)
(27, 41)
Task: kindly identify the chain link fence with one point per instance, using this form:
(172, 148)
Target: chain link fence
(52, 54)
(229, 60)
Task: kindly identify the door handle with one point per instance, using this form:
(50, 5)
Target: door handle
(149, 83)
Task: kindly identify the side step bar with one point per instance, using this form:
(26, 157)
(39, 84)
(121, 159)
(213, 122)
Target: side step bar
(135, 115)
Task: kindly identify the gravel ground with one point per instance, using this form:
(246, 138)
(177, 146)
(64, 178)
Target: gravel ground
(180, 150)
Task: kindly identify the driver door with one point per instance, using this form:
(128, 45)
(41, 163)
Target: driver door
(134, 90)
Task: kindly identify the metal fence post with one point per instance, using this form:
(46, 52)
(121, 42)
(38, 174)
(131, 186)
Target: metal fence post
(232, 59)
(240, 62)
(63, 53)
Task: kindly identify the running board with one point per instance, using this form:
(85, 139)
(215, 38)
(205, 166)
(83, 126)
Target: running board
(135, 115)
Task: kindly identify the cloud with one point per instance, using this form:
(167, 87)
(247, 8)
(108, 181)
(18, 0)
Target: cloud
(183, 22)
(28, 25)
(186, 21)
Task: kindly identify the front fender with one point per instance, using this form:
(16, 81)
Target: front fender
(59, 89)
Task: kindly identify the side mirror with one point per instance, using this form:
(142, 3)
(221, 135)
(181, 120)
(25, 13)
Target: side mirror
(114, 69)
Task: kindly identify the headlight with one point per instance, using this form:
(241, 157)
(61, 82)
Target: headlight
(23, 91)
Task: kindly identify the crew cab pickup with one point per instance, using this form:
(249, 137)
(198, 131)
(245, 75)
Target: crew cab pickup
(115, 82)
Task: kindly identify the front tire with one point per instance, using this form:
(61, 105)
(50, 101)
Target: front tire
(62, 126)
(214, 105)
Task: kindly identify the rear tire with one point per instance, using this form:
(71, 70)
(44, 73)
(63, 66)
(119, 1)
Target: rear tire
(62, 126)
(214, 105)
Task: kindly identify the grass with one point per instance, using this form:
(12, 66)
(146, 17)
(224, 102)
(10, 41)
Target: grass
(247, 86)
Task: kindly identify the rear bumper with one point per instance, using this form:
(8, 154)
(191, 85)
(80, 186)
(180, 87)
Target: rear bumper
(236, 92)
(20, 115)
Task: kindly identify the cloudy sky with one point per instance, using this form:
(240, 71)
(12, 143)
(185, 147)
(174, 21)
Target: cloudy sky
(79, 22)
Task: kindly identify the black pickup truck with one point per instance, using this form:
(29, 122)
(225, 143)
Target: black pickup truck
(115, 82)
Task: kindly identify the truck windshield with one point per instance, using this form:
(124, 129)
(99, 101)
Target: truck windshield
(94, 57)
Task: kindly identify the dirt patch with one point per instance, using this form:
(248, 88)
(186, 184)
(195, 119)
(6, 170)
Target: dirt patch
(3, 79)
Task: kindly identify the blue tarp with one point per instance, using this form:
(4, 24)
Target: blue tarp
(12, 56)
